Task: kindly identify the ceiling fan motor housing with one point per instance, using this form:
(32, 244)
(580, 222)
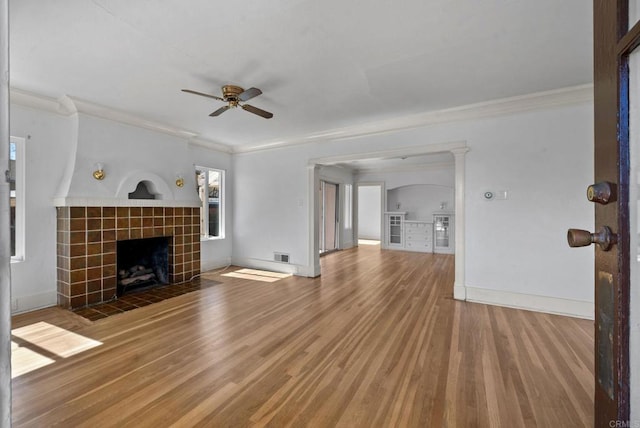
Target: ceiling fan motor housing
(231, 93)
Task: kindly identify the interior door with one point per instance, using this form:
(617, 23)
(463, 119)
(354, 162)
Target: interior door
(613, 49)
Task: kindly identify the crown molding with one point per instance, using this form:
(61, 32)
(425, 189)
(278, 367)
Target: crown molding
(500, 107)
(38, 102)
(391, 153)
(104, 112)
(208, 144)
(68, 106)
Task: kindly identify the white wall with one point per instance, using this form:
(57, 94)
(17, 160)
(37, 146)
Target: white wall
(48, 141)
(420, 201)
(369, 212)
(442, 175)
(543, 158)
(545, 161)
(50, 150)
(272, 215)
(124, 149)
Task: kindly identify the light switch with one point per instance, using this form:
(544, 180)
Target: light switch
(502, 195)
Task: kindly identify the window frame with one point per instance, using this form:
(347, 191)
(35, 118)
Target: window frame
(20, 199)
(204, 211)
(348, 206)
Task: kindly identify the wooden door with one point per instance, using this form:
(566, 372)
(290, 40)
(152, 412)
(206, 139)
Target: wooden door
(613, 45)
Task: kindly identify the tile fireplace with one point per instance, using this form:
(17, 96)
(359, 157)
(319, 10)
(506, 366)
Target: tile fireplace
(87, 247)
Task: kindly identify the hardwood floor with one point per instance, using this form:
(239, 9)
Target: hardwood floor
(376, 341)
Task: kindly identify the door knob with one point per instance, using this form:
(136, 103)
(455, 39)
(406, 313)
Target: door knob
(583, 238)
(602, 193)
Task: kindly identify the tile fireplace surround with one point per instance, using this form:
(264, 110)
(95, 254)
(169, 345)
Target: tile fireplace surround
(86, 247)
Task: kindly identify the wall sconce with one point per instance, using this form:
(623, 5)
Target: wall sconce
(179, 180)
(99, 174)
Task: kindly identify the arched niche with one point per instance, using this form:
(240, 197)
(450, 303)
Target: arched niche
(154, 184)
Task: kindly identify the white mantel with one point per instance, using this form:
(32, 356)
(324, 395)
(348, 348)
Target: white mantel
(117, 202)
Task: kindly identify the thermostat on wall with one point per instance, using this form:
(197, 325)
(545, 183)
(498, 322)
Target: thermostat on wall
(488, 195)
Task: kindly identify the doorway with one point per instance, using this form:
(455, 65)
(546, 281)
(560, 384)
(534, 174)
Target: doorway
(329, 203)
(370, 207)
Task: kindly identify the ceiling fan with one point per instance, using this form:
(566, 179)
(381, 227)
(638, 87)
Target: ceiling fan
(233, 95)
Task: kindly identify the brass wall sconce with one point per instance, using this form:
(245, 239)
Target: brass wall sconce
(179, 181)
(99, 174)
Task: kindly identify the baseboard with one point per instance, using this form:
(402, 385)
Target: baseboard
(309, 271)
(214, 264)
(370, 238)
(32, 302)
(269, 265)
(459, 292)
(531, 302)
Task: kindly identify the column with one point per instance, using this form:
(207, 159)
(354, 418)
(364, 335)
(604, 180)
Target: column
(459, 288)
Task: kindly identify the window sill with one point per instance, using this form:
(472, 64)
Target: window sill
(211, 238)
(17, 259)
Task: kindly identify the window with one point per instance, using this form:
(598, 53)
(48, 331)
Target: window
(16, 196)
(211, 191)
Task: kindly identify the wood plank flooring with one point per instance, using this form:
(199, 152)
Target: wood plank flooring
(376, 341)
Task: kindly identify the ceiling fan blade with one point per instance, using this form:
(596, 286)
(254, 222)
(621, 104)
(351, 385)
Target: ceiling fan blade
(220, 111)
(258, 111)
(249, 93)
(202, 95)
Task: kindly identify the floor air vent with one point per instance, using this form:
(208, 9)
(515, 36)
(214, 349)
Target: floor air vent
(281, 257)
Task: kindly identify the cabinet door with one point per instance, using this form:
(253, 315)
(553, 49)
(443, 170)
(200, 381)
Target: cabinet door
(441, 231)
(395, 230)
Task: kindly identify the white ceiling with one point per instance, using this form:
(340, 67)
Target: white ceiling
(321, 65)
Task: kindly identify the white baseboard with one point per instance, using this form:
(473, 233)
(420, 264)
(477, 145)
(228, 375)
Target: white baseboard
(270, 265)
(550, 305)
(214, 264)
(32, 302)
(459, 292)
(309, 271)
(370, 238)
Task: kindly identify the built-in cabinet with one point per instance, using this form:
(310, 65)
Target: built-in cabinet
(443, 240)
(410, 235)
(418, 236)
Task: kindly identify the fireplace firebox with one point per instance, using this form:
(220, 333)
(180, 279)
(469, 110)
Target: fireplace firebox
(142, 263)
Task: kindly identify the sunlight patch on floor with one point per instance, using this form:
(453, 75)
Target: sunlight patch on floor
(39, 344)
(368, 242)
(257, 275)
(24, 360)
